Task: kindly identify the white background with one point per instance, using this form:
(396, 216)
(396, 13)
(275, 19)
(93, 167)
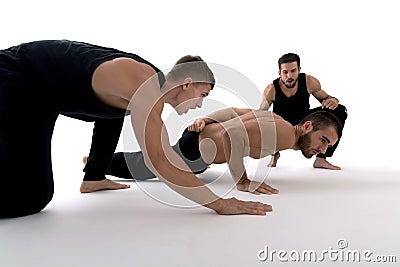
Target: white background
(350, 46)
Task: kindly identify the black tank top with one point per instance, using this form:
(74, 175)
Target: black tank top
(65, 68)
(294, 108)
(58, 74)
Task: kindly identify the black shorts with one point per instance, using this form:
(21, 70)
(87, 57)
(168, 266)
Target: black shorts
(188, 149)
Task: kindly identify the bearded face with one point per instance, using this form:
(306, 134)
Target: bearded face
(291, 82)
(289, 74)
(305, 145)
(316, 142)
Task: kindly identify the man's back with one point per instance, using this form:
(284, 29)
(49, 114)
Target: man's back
(254, 132)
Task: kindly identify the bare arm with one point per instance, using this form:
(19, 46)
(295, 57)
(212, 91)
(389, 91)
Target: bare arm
(135, 85)
(146, 108)
(225, 114)
(314, 88)
(217, 116)
(235, 154)
(174, 175)
(268, 97)
(164, 162)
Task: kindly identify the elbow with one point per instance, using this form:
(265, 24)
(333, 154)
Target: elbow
(264, 105)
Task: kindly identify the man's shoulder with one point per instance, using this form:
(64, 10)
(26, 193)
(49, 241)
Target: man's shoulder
(309, 76)
(312, 83)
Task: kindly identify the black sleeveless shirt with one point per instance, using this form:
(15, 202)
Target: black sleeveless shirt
(295, 108)
(58, 73)
(64, 70)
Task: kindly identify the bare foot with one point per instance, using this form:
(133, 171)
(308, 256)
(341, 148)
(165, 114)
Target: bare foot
(324, 164)
(105, 184)
(274, 160)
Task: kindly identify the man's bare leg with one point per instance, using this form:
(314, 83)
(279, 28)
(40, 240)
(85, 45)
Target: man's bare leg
(274, 160)
(105, 184)
(324, 164)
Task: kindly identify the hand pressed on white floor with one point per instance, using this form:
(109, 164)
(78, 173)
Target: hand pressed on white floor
(262, 188)
(233, 206)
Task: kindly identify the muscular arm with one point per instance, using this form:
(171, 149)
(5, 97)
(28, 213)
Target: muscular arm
(217, 116)
(143, 94)
(159, 157)
(225, 114)
(268, 97)
(314, 88)
(235, 141)
(137, 84)
(174, 175)
(236, 145)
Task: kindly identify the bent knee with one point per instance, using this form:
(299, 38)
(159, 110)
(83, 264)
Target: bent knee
(12, 207)
(20, 211)
(341, 113)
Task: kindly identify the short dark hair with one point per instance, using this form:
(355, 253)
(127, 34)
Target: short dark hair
(323, 119)
(194, 67)
(289, 57)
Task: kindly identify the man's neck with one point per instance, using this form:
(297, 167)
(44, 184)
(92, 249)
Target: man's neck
(169, 92)
(297, 134)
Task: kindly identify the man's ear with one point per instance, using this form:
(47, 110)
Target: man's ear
(307, 127)
(299, 69)
(187, 82)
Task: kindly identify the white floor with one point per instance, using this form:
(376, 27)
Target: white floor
(315, 209)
